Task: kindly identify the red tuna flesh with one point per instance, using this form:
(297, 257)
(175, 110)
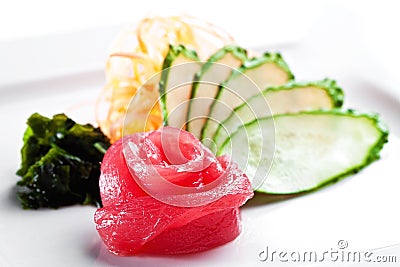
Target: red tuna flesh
(131, 221)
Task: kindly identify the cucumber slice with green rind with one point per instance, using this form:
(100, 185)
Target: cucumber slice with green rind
(179, 67)
(205, 85)
(312, 149)
(250, 79)
(290, 98)
(236, 52)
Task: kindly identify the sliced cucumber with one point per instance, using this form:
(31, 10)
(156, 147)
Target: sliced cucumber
(250, 79)
(205, 86)
(180, 65)
(289, 98)
(311, 149)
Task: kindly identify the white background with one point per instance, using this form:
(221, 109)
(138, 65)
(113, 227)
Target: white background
(253, 23)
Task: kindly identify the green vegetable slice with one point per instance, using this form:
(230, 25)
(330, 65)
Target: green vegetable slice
(289, 98)
(254, 76)
(312, 149)
(60, 163)
(206, 82)
(179, 67)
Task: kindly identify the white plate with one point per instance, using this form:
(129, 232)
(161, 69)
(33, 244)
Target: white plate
(361, 210)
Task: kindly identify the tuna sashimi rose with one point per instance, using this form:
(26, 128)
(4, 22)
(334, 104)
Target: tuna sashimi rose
(165, 193)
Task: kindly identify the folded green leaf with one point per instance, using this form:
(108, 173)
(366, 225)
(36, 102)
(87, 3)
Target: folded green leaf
(60, 163)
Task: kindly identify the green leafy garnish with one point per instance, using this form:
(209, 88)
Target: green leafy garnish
(60, 163)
